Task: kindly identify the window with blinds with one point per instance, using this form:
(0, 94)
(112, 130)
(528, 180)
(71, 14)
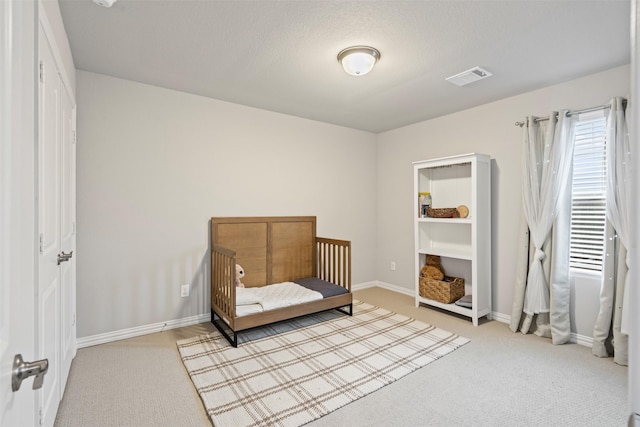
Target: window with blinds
(589, 185)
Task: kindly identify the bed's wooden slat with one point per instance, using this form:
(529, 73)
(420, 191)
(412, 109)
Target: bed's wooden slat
(334, 261)
(223, 290)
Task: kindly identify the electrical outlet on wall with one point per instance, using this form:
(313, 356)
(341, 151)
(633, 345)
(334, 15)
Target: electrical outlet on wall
(184, 290)
(393, 266)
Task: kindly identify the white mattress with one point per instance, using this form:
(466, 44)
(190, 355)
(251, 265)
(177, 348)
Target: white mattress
(254, 300)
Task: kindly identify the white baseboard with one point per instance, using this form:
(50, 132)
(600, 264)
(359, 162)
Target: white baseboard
(383, 285)
(364, 285)
(499, 317)
(581, 340)
(141, 330)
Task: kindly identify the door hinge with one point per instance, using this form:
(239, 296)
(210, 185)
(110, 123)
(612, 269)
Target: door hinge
(73, 229)
(41, 243)
(74, 137)
(41, 72)
(40, 418)
(74, 320)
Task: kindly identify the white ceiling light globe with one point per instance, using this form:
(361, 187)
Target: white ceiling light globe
(358, 60)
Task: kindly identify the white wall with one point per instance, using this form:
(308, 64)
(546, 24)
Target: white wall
(155, 164)
(487, 129)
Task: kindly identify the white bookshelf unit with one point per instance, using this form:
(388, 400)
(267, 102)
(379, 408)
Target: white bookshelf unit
(464, 244)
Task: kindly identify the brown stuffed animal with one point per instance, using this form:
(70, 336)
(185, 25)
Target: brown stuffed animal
(433, 268)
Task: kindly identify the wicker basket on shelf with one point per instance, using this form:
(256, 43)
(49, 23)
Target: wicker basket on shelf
(447, 290)
(442, 213)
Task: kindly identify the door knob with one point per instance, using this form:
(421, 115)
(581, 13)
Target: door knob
(62, 257)
(23, 370)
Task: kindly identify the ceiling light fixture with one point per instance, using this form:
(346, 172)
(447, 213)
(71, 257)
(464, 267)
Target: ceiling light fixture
(358, 60)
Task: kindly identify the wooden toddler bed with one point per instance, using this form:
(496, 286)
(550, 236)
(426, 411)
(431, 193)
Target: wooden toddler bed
(274, 250)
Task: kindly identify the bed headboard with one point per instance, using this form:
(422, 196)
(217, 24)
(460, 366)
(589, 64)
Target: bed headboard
(270, 249)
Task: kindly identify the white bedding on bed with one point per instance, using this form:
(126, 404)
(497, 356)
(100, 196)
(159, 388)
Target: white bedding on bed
(254, 300)
(243, 310)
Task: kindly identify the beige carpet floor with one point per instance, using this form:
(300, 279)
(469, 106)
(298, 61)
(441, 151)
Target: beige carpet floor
(498, 379)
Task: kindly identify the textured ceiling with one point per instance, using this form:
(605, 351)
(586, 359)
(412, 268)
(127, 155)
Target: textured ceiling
(281, 55)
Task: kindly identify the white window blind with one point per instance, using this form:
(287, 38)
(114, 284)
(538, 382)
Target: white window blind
(588, 204)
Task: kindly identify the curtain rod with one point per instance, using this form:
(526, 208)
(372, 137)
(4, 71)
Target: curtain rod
(571, 113)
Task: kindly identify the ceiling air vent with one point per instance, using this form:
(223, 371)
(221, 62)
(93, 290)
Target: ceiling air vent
(469, 76)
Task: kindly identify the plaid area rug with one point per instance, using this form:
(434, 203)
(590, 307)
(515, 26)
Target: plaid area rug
(294, 372)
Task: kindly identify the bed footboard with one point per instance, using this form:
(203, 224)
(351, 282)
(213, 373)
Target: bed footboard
(334, 261)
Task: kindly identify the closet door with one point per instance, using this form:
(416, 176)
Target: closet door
(67, 176)
(49, 192)
(56, 216)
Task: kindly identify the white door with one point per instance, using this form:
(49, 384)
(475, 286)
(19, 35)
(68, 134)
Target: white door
(67, 174)
(49, 196)
(18, 246)
(56, 217)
